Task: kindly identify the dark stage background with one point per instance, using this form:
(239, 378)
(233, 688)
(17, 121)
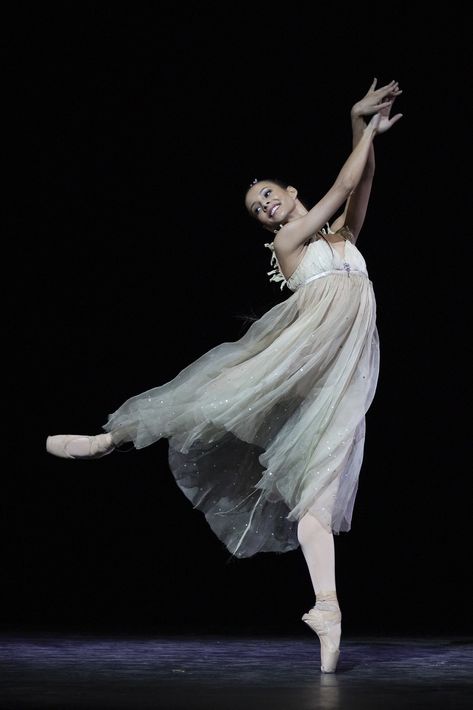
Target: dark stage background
(131, 137)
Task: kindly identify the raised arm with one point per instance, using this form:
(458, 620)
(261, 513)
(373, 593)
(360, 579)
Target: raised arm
(380, 100)
(294, 233)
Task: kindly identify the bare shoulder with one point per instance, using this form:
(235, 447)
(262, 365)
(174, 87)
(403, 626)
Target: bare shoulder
(285, 246)
(292, 238)
(288, 257)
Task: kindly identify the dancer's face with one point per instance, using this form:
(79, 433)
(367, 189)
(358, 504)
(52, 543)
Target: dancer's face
(270, 204)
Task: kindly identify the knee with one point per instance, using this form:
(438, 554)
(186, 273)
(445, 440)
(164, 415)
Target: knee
(308, 528)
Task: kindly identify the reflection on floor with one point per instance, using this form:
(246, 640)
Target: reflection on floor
(59, 671)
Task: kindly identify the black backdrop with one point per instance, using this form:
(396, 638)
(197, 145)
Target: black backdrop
(131, 136)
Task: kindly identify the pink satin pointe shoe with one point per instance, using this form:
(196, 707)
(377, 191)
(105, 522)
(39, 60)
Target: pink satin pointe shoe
(79, 446)
(325, 619)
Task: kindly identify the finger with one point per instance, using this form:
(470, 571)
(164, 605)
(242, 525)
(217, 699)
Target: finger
(387, 95)
(392, 97)
(385, 104)
(374, 108)
(392, 86)
(369, 110)
(396, 118)
(372, 87)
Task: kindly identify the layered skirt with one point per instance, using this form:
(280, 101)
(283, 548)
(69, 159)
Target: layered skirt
(269, 427)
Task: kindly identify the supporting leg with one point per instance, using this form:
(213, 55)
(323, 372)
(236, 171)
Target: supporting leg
(324, 618)
(318, 548)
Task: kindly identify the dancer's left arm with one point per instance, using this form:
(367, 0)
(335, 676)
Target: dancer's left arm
(356, 206)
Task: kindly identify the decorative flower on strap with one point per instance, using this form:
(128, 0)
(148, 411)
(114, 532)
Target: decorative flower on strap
(276, 273)
(326, 230)
(345, 231)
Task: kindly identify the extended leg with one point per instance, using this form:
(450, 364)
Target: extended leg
(78, 446)
(82, 446)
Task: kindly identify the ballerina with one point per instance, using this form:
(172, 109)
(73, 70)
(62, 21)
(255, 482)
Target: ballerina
(266, 433)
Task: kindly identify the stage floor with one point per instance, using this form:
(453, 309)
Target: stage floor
(65, 671)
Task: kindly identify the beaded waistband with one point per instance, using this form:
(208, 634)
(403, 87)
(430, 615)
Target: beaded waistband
(334, 271)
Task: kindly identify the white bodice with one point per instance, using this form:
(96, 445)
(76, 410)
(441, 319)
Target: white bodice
(319, 257)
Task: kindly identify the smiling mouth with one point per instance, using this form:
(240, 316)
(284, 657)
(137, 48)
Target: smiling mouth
(273, 210)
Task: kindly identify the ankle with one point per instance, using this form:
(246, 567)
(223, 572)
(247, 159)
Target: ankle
(326, 601)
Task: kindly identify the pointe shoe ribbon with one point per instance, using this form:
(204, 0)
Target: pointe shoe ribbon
(327, 625)
(79, 446)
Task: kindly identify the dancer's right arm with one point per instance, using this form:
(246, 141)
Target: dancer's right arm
(293, 234)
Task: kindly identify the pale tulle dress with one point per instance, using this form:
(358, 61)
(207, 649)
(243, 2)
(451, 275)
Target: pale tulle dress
(272, 426)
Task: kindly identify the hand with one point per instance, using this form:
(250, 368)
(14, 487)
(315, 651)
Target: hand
(385, 122)
(376, 100)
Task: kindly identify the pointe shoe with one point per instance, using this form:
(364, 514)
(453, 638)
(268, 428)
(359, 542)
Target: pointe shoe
(79, 446)
(327, 625)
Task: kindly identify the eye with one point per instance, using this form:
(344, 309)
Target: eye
(265, 194)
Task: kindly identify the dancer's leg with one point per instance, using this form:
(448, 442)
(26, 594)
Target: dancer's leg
(78, 446)
(81, 446)
(324, 618)
(318, 548)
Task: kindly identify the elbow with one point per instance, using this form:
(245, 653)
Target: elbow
(349, 181)
(346, 185)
